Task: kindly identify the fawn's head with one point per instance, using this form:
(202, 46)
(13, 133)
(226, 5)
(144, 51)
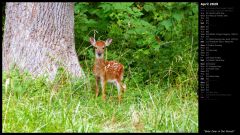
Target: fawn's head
(100, 46)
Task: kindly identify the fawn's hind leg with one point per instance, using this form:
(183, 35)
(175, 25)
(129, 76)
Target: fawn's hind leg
(123, 87)
(120, 90)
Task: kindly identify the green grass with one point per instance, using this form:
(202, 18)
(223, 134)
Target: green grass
(65, 106)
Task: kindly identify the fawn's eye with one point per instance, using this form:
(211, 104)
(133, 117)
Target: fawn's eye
(103, 47)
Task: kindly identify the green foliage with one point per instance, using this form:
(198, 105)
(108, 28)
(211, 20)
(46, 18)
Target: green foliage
(150, 38)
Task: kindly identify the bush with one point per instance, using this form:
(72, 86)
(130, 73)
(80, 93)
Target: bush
(157, 40)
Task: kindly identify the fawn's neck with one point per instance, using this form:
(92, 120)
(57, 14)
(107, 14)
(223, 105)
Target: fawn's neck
(100, 62)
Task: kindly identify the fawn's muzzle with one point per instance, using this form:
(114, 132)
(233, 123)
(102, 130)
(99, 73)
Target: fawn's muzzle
(99, 54)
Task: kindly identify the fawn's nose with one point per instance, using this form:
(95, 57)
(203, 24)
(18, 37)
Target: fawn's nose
(99, 54)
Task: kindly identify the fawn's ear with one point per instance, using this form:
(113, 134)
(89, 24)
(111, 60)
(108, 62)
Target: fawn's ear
(92, 41)
(108, 41)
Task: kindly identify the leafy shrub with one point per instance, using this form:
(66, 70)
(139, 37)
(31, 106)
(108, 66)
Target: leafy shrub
(157, 40)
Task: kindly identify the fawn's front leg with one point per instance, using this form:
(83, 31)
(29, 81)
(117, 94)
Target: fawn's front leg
(103, 83)
(97, 90)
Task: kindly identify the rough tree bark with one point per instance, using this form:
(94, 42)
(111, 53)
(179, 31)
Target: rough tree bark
(39, 37)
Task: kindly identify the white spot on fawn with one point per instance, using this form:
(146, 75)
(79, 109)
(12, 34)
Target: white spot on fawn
(108, 66)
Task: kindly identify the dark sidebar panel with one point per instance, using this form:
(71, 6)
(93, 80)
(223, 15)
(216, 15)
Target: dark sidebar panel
(219, 57)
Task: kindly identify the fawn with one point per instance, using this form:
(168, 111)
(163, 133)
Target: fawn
(107, 71)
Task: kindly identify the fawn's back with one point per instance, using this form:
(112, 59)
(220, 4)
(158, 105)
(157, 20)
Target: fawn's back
(110, 70)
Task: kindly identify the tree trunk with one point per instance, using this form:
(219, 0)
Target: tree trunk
(39, 38)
